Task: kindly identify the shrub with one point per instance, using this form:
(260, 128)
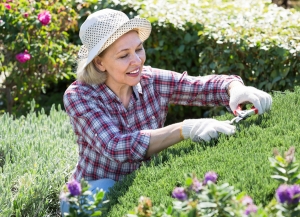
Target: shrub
(35, 48)
(37, 153)
(240, 160)
(254, 39)
(207, 198)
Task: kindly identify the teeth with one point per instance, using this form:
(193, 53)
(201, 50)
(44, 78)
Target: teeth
(133, 72)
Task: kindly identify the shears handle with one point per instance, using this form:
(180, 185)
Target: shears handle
(251, 111)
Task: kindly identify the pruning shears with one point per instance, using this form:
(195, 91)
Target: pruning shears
(243, 114)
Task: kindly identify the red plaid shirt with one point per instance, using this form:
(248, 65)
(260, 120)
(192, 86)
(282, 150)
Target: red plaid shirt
(111, 139)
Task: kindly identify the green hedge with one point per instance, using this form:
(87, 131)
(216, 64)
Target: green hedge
(241, 160)
(39, 151)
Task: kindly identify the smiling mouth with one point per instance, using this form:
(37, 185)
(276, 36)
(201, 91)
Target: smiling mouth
(133, 72)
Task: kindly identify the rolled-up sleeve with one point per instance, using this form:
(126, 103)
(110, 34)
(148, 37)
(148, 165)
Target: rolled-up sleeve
(98, 130)
(210, 90)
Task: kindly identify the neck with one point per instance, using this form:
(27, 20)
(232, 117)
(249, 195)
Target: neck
(123, 93)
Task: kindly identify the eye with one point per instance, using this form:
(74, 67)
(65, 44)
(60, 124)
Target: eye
(139, 49)
(122, 57)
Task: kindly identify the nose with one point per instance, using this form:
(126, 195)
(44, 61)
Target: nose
(136, 59)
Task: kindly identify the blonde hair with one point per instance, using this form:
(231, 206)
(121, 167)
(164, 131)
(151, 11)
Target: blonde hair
(90, 74)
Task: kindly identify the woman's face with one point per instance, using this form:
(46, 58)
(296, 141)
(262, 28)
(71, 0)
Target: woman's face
(123, 61)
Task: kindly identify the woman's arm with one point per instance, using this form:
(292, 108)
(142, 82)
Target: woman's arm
(163, 138)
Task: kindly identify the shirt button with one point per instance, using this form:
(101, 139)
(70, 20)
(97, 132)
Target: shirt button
(96, 134)
(153, 117)
(128, 125)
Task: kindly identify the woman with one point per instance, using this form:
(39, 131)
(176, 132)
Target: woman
(118, 106)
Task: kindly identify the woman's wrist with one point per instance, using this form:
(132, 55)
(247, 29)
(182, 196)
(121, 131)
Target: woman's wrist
(233, 84)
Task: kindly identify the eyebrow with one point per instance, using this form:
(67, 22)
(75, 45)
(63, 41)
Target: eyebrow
(128, 48)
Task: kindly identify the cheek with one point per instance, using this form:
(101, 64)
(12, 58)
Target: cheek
(143, 56)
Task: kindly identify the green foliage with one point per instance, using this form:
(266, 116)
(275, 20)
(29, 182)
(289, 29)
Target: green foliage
(84, 204)
(37, 153)
(52, 56)
(240, 160)
(253, 39)
(213, 200)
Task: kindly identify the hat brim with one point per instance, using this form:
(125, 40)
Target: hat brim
(143, 27)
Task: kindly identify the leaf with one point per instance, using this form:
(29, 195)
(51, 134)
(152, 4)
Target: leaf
(187, 37)
(278, 177)
(97, 213)
(188, 181)
(280, 169)
(207, 205)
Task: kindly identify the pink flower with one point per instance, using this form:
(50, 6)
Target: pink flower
(44, 17)
(8, 7)
(25, 15)
(23, 57)
(247, 200)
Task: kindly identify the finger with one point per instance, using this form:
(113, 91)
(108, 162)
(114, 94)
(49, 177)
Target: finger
(204, 136)
(256, 102)
(269, 103)
(225, 128)
(233, 105)
(213, 134)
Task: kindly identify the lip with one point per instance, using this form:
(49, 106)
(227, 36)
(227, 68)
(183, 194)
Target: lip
(134, 74)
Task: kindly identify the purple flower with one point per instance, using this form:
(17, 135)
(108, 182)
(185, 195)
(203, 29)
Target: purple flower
(74, 187)
(23, 57)
(179, 193)
(196, 185)
(295, 189)
(288, 194)
(25, 14)
(283, 194)
(210, 176)
(247, 200)
(7, 6)
(251, 208)
(44, 17)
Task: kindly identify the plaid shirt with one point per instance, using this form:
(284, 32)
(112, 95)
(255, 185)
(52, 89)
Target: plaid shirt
(111, 140)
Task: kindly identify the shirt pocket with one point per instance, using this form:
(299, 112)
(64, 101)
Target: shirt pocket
(151, 120)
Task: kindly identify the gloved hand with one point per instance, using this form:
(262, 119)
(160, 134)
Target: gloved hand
(205, 129)
(241, 94)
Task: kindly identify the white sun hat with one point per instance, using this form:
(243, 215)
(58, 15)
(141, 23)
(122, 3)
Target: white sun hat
(105, 26)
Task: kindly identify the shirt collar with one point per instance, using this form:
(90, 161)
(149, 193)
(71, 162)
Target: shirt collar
(109, 96)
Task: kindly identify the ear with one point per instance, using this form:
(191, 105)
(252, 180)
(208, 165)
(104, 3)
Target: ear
(99, 64)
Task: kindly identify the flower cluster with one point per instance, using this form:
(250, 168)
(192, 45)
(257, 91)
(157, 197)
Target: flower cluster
(44, 17)
(82, 202)
(251, 207)
(181, 193)
(23, 57)
(289, 194)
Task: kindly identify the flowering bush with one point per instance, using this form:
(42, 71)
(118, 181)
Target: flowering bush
(34, 48)
(207, 198)
(82, 202)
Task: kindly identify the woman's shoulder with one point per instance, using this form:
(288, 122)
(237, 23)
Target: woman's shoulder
(80, 88)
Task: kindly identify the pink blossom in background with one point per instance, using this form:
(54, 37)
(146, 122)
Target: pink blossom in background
(25, 15)
(7, 6)
(23, 57)
(44, 17)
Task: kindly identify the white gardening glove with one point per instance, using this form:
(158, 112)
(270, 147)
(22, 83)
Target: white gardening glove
(205, 129)
(246, 94)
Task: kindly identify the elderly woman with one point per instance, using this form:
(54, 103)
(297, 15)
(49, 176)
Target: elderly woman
(118, 106)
